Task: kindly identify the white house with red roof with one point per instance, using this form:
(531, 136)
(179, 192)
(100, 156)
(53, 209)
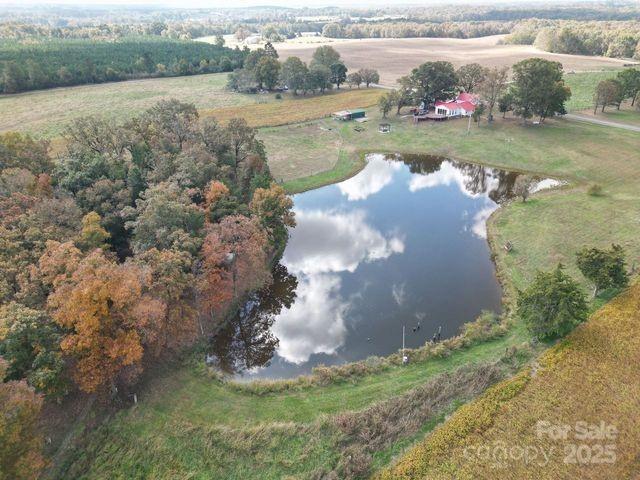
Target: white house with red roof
(463, 106)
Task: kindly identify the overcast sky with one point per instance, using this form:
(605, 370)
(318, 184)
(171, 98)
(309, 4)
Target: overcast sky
(288, 3)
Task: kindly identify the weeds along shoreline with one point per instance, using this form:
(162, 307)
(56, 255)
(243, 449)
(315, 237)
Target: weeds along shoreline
(487, 327)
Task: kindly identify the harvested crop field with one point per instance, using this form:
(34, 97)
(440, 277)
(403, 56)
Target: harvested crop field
(297, 109)
(394, 57)
(587, 383)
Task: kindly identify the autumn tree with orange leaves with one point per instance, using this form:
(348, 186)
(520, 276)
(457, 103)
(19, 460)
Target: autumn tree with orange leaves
(20, 442)
(103, 307)
(234, 262)
(171, 281)
(274, 209)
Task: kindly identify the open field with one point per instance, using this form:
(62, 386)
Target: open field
(47, 112)
(582, 87)
(590, 377)
(395, 57)
(292, 109)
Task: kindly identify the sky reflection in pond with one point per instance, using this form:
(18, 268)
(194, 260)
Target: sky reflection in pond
(402, 242)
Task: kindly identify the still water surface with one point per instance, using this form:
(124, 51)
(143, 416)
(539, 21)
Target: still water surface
(401, 243)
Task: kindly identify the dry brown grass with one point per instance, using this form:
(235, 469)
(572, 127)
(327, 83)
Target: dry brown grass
(298, 109)
(395, 57)
(47, 112)
(590, 377)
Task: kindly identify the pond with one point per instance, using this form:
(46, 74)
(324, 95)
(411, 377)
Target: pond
(401, 243)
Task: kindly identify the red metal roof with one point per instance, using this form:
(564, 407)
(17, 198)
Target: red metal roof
(467, 97)
(454, 105)
(468, 106)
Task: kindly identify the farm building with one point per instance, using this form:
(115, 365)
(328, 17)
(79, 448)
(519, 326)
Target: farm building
(346, 115)
(463, 106)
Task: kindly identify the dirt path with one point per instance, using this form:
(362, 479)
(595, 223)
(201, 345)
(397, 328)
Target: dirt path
(597, 121)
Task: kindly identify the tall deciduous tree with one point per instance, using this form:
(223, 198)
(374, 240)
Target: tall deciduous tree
(630, 80)
(354, 79)
(608, 92)
(92, 235)
(293, 74)
(30, 343)
(386, 103)
(170, 280)
(538, 88)
(20, 442)
(268, 72)
(234, 262)
(165, 217)
(318, 78)
(19, 150)
(369, 76)
(274, 208)
(102, 307)
(338, 74)
(492, 88)
(325, 55)
(552, 305)
(433, 81)
(471, 75)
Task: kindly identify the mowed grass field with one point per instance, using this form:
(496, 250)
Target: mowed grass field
(395, 57)
(47, 112)
(590, 377)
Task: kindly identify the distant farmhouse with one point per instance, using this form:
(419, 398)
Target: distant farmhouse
(463, 106)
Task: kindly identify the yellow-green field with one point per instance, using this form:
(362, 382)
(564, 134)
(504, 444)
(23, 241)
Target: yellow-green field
(47, 112)
(591, 377)
(292, 109)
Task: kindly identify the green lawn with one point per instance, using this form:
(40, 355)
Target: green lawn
(192, 425)
(582, 86)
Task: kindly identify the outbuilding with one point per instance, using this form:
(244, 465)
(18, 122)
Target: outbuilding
(346, 115)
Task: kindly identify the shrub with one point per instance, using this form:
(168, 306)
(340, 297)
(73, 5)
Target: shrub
(278, 96)
(595, 190)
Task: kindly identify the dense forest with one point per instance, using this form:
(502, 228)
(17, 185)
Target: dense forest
(54, 63)
(130, 246)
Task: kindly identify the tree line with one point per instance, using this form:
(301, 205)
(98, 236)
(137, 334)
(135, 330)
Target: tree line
(128, 248)
(46, 64)
(263, 70)
(535, 87)
(610, 39)
(410, 29)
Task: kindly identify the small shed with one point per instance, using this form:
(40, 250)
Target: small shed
(346, 115)
(384, 127)
(357, 113)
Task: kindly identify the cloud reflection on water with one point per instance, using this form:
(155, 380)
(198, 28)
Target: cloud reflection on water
(323, 245)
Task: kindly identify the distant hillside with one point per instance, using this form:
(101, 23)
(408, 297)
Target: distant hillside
(54, 63)
(591, 377)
